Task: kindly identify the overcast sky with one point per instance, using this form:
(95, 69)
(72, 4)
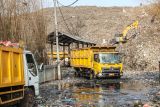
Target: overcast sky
(104, 3)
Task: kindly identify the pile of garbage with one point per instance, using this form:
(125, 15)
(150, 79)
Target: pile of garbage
(143, 52)
(11, 44)
(8, 44)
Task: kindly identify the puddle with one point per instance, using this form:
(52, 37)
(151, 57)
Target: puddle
(95, 93)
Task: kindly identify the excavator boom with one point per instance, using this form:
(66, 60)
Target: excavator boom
(132, 26)
(122, 38)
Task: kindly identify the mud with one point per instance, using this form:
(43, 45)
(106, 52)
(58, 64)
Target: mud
(81, 92)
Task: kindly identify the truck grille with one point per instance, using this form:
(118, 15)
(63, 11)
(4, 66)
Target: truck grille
(107, 71)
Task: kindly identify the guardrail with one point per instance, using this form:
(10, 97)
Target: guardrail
(48, 73)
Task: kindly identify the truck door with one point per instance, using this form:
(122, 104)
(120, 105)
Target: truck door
(96, 63)
(33, 79)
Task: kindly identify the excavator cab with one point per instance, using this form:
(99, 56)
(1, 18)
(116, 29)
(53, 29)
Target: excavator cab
(119, 38)
(122, 38)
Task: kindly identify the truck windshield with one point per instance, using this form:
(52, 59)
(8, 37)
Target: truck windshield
(31, 63)
(110, 58)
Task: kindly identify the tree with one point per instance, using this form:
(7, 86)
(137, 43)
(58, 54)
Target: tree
(23, 20)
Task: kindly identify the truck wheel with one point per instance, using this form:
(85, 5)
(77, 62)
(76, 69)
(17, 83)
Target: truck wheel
(119, 77)
(28, 100)
(75, 74)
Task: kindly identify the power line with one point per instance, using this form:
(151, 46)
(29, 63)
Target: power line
(69, 4)
(64, 19)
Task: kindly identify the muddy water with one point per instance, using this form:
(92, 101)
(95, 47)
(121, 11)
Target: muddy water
(73, 92)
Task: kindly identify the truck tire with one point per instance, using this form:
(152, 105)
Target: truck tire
(77, 74)
(119, 77)
(28, 100)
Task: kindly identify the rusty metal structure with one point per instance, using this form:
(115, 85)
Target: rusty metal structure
(67, 41)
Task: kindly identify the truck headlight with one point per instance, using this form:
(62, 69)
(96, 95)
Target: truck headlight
(100, 74)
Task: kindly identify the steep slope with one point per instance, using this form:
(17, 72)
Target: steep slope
(98, 23)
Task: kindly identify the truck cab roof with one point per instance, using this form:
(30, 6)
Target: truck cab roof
(27, 51)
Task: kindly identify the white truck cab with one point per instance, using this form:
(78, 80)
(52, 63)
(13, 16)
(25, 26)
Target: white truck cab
(31, 76)
(31, 72)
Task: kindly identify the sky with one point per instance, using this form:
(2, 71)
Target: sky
(101, 3)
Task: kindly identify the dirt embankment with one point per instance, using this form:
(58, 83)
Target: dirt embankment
(98, 23)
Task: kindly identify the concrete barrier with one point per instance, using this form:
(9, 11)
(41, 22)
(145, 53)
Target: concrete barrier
(48, 73)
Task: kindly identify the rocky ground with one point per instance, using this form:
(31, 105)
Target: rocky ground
(140, 85)
(134, 89)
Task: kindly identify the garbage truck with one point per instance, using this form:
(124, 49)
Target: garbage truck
(19, 81)
(97, 61)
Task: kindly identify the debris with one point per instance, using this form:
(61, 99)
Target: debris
(146, 105)
(158, 94)
(133, 90)
(9, 44)
(138, 103)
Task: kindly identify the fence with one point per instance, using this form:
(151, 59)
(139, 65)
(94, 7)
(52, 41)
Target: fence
(48, 73)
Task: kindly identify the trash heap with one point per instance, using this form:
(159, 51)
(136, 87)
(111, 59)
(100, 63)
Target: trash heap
(10, 44)
(143, 52)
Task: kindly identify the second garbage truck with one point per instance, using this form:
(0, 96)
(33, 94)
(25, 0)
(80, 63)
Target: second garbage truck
(97, 62)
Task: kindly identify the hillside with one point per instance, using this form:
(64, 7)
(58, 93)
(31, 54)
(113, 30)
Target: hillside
(98, 23)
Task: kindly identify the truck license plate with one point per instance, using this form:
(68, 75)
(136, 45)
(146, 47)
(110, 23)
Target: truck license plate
(111, 74)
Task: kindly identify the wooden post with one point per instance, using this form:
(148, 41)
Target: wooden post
(77, 45)
(87, 45)
(69, 49)
(69, 53)
(82, 45)
(51, 59)
(64, 53)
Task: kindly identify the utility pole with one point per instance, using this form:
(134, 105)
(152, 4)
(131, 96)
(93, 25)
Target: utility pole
(57, 42)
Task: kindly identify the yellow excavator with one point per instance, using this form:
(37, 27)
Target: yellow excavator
(122, 38)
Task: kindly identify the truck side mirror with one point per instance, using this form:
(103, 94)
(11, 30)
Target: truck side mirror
(96, 58)
(40, 68)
